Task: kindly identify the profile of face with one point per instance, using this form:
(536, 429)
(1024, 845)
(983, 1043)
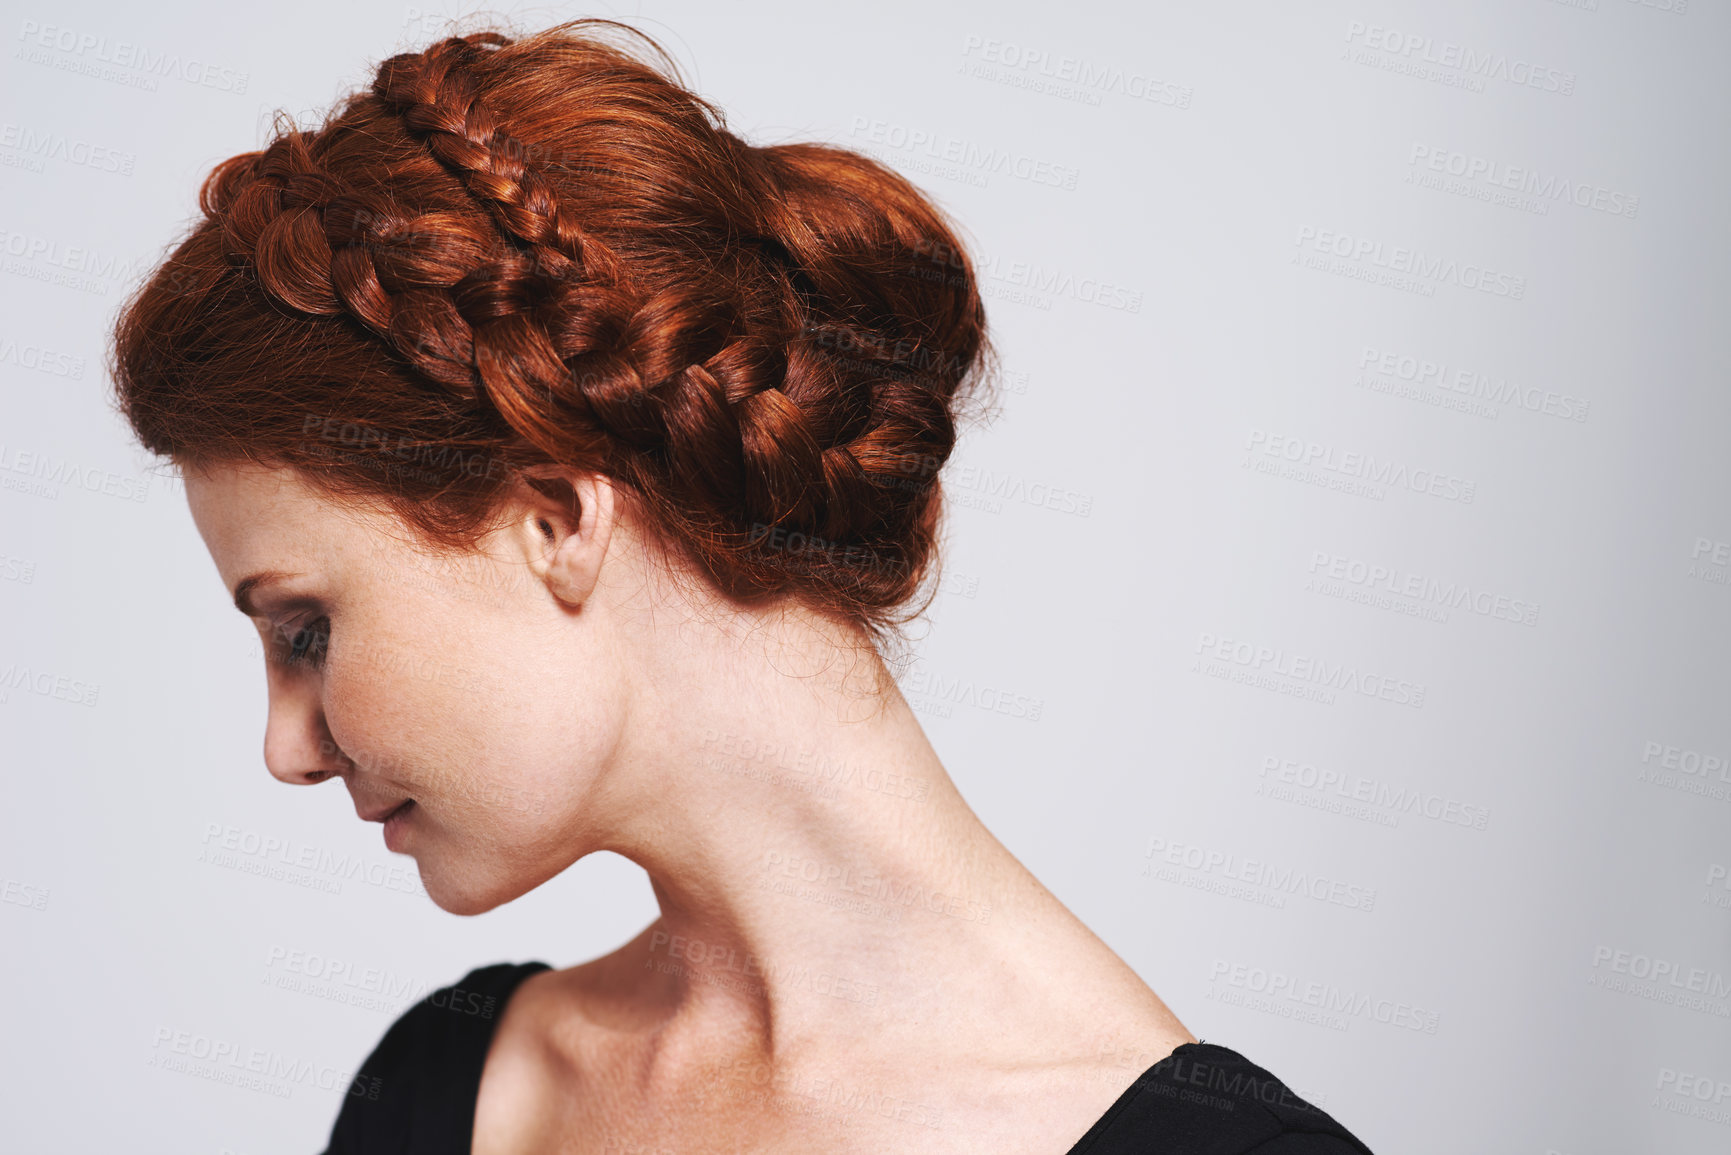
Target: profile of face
(486, 690)
(743, 337)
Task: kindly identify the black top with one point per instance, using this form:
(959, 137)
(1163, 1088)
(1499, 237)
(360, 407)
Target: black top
(415, 1094)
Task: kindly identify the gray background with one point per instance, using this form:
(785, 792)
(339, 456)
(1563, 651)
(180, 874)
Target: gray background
(1529, 949)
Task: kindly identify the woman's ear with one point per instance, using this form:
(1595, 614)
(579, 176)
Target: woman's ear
(565, 524)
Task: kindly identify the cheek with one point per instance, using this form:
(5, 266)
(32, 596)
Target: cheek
(537, 751)
(392, 711)
(501, 742)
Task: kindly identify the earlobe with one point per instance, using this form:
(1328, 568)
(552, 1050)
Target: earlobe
(575, 537)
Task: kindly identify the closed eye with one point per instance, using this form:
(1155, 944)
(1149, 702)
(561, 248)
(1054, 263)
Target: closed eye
(305, 644)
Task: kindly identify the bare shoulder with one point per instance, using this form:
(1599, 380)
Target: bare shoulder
(512, 1078)
(567, 1007)
(529, 1080)
(1049, 1107)
(1075, 1073)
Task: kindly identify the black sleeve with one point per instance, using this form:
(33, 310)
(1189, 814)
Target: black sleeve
(416, 1092)
(1205, 1099)
(1310, 1143)
(1297, 1126)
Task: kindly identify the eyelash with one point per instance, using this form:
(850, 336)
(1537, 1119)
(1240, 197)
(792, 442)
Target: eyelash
(306, 643)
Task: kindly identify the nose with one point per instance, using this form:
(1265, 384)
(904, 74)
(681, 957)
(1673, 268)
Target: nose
(298, 747)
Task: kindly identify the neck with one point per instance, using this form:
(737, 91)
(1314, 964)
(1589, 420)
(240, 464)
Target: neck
(822, 883)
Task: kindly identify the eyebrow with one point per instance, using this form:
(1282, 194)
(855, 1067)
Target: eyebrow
(243, 591)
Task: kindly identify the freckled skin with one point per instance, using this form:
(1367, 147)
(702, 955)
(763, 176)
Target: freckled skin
(560, 690)
(443, 682)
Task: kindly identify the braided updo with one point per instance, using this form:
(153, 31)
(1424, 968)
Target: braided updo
(510, 254)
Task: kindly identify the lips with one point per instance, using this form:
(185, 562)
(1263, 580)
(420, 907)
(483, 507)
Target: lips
(381, 815)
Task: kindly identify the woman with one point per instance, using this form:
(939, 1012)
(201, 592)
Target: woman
(572, 455)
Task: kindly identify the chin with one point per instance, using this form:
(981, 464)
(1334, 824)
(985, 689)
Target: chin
(457, 891)
(462, 904)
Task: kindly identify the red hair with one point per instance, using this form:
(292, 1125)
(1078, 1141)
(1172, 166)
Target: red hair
(507, 254)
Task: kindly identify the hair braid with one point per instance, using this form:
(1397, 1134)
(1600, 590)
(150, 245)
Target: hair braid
(788, 474)
(746, 337)
(476, 327)
(435, 93)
